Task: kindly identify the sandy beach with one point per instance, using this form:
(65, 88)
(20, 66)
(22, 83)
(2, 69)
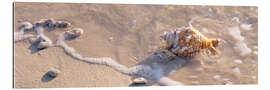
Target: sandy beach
(129, 34)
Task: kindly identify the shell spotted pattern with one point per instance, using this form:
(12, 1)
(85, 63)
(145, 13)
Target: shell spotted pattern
(187, 42)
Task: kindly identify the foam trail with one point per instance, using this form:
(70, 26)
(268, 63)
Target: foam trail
(102, 61)
(19, 36)
(150, 74)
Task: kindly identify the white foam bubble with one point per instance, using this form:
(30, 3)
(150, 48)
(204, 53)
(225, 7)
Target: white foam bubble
(240, 44)
(246, 27)
(242, 47)
(238, 61)
(235, 33)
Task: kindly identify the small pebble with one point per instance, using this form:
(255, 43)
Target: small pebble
(111, 38)
(74, 33)
(26, 26)
(236, 70)
(134, 21)
(53, 73)
(238, 61)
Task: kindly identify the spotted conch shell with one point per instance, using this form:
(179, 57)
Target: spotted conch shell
(187, 42)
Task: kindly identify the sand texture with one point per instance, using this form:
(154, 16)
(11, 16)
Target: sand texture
(129, 34)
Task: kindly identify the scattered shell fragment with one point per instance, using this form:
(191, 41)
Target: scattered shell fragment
(238, 61)
(139, 81)
(26, 26)
(73, 33)
(111, 38)
(53, 73)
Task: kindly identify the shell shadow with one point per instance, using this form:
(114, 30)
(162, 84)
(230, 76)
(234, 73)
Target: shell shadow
(46, 77)
(137, 85)
(159, 62)
(161, 67)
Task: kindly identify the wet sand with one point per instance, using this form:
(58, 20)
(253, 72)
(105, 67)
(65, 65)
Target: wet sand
(128, 34)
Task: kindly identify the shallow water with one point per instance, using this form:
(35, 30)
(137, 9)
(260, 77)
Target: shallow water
(129, 33)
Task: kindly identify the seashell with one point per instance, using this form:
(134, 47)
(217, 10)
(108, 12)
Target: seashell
(139, 81)
(53, 73)
(52, 24)
(74, 33)
(26, 26)
(62, 24)
(188, 42)
(46, 23)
